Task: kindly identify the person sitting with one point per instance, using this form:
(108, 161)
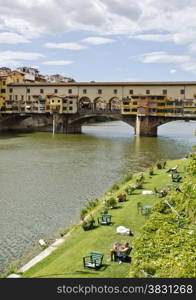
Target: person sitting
(163, 193)
(119, 251)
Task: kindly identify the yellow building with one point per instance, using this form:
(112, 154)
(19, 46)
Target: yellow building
(61, 104)
(154, 105)
(7, 103)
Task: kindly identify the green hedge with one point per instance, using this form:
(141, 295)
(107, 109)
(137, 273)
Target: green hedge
(166, 246)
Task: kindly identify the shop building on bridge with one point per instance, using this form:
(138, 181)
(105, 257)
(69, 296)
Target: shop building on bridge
(130, 98)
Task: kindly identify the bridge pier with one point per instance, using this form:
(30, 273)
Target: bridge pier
(145, 126)
(63, 125)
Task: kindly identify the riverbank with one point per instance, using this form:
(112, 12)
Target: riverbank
(66, 261)
(40, 208)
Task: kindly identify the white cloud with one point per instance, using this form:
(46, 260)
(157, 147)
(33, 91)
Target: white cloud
(144, 18)
(148, 20)
(12, 38)
(153, 37)
(184, 62)
(97, 40)
(162, 57)
(172, 71)
(58, 62)
(14, 58)
(65, 46)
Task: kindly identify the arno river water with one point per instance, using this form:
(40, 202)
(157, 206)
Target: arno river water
(45, 180)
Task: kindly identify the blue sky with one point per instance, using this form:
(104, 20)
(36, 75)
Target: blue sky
(101, 40)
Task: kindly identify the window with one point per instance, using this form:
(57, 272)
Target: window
(134, 102)
(70, 108)
(115, 91)
(52, 101)
(59, 101)
(71, 102)
(10, 97)
(70, 91)
(182, 92)
(131, 92)
(147, 92)
(164, 92)
(64, 101)
(29, 98)
(4, 82)
(28, 90)
(84, 91)
(3, 90)
(22, 97)
(41, 91)
(16, 97)
(99, 91)
(11, 90)
(55, 91)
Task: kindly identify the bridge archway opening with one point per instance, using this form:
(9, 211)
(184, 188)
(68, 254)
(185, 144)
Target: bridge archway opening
(115, 104)
(100, 104)
(171, 126)
(87, 119)
(85, 104)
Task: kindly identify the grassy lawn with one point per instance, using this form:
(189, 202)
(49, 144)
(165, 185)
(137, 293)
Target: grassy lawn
(66, 261)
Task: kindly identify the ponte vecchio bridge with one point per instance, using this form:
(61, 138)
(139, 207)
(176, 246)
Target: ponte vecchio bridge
(64, 107)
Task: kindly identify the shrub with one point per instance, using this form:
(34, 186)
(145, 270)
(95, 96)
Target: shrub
(138, 184)
(83, 213)
(122, 197)
(130, 189)
(92, 204)
(159, 165)
(151, 171)
(110, 203)
(140, 177)
(128, 177)
(115, 186)
(88, 223)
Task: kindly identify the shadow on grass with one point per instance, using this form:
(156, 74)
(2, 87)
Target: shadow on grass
(117, 207)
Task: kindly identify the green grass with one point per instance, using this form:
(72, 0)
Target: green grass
(66, 261)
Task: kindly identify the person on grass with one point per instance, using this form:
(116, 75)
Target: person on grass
(118, 249)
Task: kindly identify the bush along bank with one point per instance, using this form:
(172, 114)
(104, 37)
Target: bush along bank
(165, 247)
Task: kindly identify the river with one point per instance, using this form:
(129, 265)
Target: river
(45, 180)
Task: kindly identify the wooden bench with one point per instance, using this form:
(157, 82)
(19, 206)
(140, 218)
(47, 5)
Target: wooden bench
(105, 219)
(93, 261)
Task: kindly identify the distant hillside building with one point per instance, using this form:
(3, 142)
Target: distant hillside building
(4, 71)
(30, 74)
(58, 78)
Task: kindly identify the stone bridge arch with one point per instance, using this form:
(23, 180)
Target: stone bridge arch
(78, 121)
